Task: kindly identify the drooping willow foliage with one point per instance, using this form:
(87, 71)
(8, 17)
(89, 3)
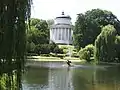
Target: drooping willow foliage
(14, 14)
(105, 45)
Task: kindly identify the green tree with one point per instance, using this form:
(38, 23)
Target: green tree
(117, 48)
(88, 26)
(34, 21)
(42, 26)
(105, 44)
(39, 32)
(13, 17)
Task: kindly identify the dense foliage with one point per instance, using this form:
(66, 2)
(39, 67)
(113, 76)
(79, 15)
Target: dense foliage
(88, 26)
(105, 44)
(117, 48)
(39, 32)
(14, 14)
(38, 38)
(86, 53)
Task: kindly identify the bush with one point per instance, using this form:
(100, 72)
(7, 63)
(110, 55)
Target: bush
(87, 52)
(31, 54)
(52, 46)
(67, 49)
(42, 49)
(30, 47)
(58, 50)
(75, 54)
(45, 55)
(64, 48)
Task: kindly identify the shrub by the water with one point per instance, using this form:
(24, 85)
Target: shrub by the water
(86, 53)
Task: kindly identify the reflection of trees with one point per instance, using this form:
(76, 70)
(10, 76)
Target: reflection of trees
(96, 78)
(108, 79)
(82, 79)
(36, 76)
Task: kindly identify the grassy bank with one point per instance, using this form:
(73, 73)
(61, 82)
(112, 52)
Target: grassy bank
(43, 58)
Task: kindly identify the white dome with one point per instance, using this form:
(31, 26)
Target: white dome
(63, 19)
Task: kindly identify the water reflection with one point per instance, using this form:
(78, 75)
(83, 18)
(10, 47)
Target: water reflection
(53, 76)
(35, 78)
(60, 79)
(97, 79)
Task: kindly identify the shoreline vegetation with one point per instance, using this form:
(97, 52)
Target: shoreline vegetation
(57, 59)
(44, 58)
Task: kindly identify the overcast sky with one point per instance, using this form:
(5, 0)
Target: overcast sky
(49, 9)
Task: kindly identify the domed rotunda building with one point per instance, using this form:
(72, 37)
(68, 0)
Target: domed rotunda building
(61, 32)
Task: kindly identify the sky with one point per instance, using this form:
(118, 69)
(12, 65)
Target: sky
(49, 9)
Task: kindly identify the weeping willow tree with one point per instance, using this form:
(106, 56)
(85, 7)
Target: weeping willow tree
(14, 14)
(105, 44)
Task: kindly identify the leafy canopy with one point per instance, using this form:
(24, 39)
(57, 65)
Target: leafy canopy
(88, 26)
(105, 44)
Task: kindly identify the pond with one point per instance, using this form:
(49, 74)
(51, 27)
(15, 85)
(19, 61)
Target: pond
(58, 76)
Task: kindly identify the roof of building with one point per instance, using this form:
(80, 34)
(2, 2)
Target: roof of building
(64, 16)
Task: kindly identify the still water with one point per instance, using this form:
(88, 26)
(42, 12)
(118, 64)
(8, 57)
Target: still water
(57, 76)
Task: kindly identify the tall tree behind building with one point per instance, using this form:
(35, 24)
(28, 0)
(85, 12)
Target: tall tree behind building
(88, 26)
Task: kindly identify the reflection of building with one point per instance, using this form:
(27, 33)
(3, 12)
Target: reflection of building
(60, 80)
(61, 32)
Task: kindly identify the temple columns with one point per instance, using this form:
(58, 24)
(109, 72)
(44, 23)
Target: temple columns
(61, 34)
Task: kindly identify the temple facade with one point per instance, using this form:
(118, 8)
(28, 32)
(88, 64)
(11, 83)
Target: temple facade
(61, 32)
